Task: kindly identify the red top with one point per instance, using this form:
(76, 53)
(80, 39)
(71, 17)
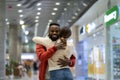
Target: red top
(44, 55)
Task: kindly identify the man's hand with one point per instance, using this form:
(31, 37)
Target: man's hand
(64, 62)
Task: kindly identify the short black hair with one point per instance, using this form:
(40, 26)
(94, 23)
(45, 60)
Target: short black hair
(54, 24)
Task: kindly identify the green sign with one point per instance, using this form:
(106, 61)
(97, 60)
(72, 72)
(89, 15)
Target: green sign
(111, 16)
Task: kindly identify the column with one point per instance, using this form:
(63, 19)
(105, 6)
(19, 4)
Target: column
(19, 43)
(13, 43)
(2, 40)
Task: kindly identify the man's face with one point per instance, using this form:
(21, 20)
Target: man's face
(54, 32)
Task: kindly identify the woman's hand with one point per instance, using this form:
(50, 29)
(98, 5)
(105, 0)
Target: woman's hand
(60, 45)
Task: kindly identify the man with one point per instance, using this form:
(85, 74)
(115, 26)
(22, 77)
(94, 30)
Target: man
(44, 54)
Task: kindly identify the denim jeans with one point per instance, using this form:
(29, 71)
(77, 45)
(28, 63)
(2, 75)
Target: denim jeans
(61, 74)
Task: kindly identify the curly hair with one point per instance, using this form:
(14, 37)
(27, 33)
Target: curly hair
(65, 31)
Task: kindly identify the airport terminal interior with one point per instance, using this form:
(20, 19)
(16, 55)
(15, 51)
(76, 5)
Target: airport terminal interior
(95, 26)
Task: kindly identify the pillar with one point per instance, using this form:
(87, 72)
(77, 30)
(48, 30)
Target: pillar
(19, 43)
(13, 42)
(2, 40)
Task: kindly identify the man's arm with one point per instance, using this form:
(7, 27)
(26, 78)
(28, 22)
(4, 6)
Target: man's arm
(44, 54)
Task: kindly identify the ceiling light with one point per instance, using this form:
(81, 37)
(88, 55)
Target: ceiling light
(50, 20)
(23, 27)
(94, 35)
(36, 20)
(6, 19)
(76, 14)
(38, 4)
(21, 22)
(55, 9)
(20, 11)
(38, 13)
(53, 13)
(57, 3)
(26, 32)
(65, 9)
(21, 15)
(26, 40)
(19, 4)
(7, 23)
(73, 17)
(39, 9)
(68, 3)
(84, 4)
(37, 17)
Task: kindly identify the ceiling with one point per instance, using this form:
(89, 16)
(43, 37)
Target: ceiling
(35, 15)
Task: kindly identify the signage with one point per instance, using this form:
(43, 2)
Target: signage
(111, 16)
(90, 27)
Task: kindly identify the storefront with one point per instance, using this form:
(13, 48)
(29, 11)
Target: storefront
(92, 35)
(112, 21)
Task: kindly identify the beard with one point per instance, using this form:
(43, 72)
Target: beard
(53, 38)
